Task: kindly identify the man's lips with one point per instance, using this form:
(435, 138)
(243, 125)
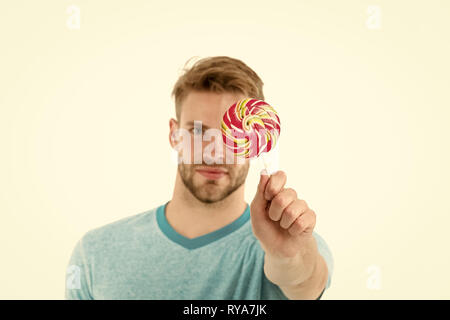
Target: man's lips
(212, 173)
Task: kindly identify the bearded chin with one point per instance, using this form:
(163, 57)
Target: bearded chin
(203, 193)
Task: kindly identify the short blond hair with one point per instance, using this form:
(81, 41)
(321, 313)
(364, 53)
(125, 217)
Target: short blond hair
(217, 74)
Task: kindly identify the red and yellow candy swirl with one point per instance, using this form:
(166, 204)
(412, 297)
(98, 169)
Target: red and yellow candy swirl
(250, 127)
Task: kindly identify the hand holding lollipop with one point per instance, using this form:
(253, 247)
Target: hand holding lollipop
(281, 221)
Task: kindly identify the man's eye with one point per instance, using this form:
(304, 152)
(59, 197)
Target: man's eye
(197, 131)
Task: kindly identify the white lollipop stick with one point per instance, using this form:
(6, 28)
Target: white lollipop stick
(268, 163)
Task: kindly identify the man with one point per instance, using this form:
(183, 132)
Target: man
(207, 242)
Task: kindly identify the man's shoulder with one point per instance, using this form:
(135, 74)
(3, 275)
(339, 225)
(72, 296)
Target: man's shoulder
(118, 229)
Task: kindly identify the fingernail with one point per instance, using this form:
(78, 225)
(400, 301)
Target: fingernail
(264, 172)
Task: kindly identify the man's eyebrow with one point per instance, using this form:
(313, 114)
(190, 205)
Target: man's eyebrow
(191, 124)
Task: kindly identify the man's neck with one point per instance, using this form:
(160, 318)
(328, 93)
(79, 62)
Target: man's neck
(192, 218)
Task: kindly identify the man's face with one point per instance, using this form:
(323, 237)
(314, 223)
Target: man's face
(209, 182)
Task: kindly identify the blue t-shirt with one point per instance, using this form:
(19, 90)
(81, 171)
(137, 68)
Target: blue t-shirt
(143, 257)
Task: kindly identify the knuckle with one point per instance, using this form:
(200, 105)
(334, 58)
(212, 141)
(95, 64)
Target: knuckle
(300, 224)
(292, 192)
(290, 213)
(280, 201)
(284, 223)
(302, 203)
(272, 190)
(292, 231)
(290, 217)
(281, 174)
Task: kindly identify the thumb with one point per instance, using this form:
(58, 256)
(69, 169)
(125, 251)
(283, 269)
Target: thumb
(260, 201)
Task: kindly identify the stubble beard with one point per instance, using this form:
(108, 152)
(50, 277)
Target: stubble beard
(213, 191)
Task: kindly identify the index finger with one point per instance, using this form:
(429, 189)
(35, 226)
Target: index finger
(275, 185)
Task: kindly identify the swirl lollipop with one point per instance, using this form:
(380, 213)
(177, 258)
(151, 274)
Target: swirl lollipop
(250, 127)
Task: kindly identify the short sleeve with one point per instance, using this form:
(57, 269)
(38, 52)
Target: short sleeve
(78, 284)
(325, 252)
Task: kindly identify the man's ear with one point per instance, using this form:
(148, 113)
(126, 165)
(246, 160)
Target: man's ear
(173, 124)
